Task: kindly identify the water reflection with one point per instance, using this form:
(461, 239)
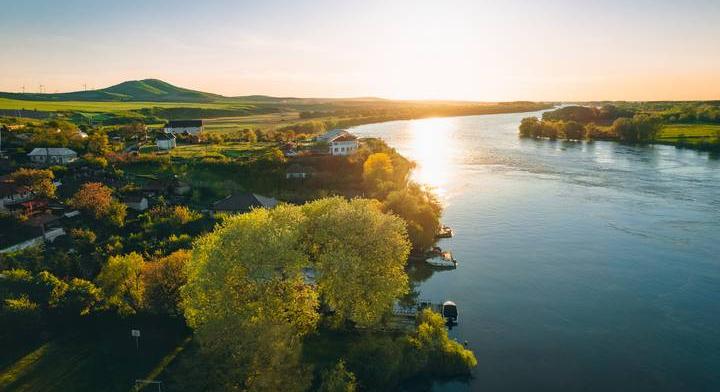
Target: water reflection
(432, 148)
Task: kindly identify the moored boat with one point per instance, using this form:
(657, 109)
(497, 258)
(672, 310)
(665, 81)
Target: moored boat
(444, 232)
(439, 258)
(450, 312)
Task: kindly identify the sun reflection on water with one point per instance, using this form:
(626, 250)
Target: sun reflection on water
(431, 147)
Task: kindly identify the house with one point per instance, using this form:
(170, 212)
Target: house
(50, 155)
(46, 228)
(136, 202)
(166, 141)
(289, 150)
(346, 144)
(155, 187)
(192, 127)
(298, 171)
(328, 136)
(32, 207)
(11, 193)
(243, 202)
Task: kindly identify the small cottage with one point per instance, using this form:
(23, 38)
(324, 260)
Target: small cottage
(165, 141)
(51, 155)
(11, 193)
(243, 202)
(136, 202)
(192, 127)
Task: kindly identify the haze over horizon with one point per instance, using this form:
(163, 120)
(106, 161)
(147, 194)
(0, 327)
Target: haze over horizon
(461, 50)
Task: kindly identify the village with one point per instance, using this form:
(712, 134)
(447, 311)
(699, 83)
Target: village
(43, 219)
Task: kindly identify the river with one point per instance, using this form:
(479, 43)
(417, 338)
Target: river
(591, 266)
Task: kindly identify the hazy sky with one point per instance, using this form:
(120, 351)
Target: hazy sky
(471, 49)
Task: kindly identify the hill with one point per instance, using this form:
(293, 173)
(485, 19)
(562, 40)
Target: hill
(146, 90)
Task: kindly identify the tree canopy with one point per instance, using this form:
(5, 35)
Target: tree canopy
(38, 181)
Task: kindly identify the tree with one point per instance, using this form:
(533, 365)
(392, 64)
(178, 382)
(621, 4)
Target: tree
(15, 283)
(440, 355)
(529, 127)
(48, 290)
(550, 129)
(378, 173)
(624, 128)
(338, 379)
(80, 297)
(251, 263)
(360, 255)
(247, 302)
(421, 211)
(121, 283)
(573, 130)
(162, 281)
(98, 144)
(96, 199)
(40, 182)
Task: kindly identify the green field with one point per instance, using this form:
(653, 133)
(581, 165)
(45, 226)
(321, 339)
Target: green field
(228, 124)
(230, 150)
(107, 107)
(690, 131)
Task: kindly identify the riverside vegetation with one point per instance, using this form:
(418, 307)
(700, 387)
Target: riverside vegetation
(686, 125)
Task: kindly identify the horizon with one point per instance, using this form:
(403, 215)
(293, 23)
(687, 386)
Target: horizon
(559, 52)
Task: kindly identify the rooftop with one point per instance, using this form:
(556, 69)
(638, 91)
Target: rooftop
(244, 202)
(184, 123)
(40, 151)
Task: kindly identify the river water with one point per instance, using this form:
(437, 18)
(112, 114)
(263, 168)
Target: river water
(584, 266)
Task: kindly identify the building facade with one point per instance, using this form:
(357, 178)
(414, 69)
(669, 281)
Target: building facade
(346, 144)
(192, 127)
(49, 155)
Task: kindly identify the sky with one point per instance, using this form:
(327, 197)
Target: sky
(550, 50)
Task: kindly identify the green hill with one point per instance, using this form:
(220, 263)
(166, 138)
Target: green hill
(147, 90)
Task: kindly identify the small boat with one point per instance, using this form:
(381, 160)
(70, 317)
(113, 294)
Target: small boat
(450, 312)
(444, 232)
(439, 258)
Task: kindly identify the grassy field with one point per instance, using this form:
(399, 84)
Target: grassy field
(229, 124)
(230, 150)
(673, 132)
(95, 360)
(108, 107)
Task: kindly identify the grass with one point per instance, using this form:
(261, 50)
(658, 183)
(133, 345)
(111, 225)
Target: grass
(228, 124)
(95, 359)
(230, 150)
(673, 132)
(106, 107)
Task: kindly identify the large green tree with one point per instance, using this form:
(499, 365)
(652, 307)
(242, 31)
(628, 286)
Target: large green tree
(360, 255)
(121, 282)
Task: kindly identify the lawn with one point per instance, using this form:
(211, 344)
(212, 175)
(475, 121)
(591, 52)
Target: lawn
(94, 359)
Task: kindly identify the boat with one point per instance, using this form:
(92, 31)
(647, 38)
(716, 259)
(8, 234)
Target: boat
(444, 232)
(450, 312)
(439, 258)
